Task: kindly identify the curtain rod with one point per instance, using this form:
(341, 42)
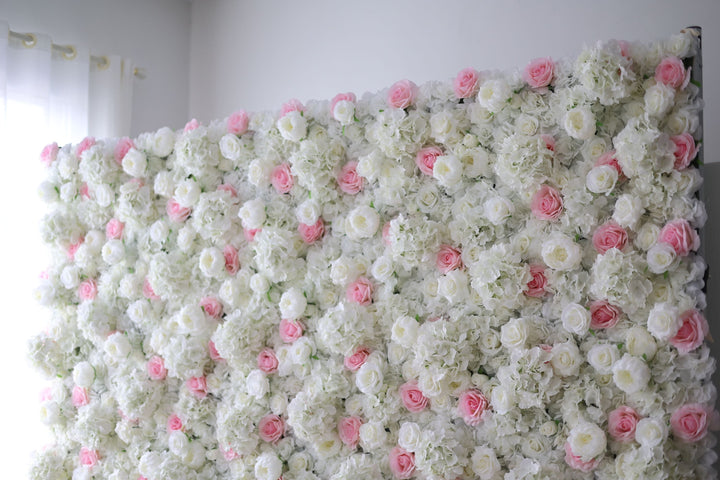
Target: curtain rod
(69, 52)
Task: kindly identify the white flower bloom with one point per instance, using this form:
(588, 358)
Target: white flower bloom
(259, 284)
(650, 432)
(580, 123)
(658, 99)
(186, 237)
(628, 210)
(362, 222)
(485, 463)
(561, 253)
(647, 236)
(602, 357)
(369, 378)
(117, 346)
(601, 179)
(308, 212)
(448, 170)
(494, 94)
(70, 277)
(257, 384)
(566, 359)
(372, 435)
(405, 331)
(104, 195)
(190, 319)
(497, 209)
(515, 333)
(410, 436)
(230, 146)
(164, 184)
(292, 126)
(661, 257)
(134, 163)
(453, 286)
(640, 343)
(163, 142)
(159, 231)
(383, 268)
(212, 262)
(344, 112)
(187, 193)
(259, 172)
(178, 443)
(268, 466)
(252, 213)
(664, 321)
(587, 441)
(292, 304)
(84, 375)
(502, 399)
(630, 374)
(576, 319)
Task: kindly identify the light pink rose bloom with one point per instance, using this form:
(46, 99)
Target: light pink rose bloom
(576, 462)
(312, 233)
(608, 158)
(690, 422)
(249, 233)
(448, 259)
(536, 286)
(466, 83)
(88, 458)
(472, 404)
(426, 158)
(211, 306)
(549, 141)
(80, 396)
(271, 428)
(348, 97)
(74, 248)
(121, 148)
(693, 330)
(547, 203)
(148, 291)
(87, 290)
(609, 235)
(46, 394)
(680, 235)
(349, 430)
(232, 261)
(402, 94)
(290, 330)
(197, 386)
(49, 154)
(176, 212)
(357, 359)
(349, 180)
(191, 125)
(670, 71)
(539, 72)
(228, 454)
(386, 233)
(84, 191)
(226, 187)
(621, 424)
(685, 150)
(267, 361)
(214, 354)
(156, 368)
(402, 463)
(292, 105)
(237, 123)
(114, 229)
(360, 291)
(412, 397)
(603, 315)
(174, 423)
(86, 143)
(282, 179)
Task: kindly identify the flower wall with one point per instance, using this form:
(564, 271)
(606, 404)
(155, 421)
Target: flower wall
(492, 276)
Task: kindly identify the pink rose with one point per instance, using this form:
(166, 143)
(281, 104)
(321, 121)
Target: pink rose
(237, 123)
(197, 386)
(349, 430)
(80, 396)
(386, 233)
(176, 212)
(121, 148)
(357, 359)
(690, 422)
(228, 454)
(349, 180)
(114, 229)
(576, 462)
(621, 424)
(226, 187)
(267, 361)
(191, 125)
(312, 233)
(685, 150)
(472, 404)
(536, 286)
(148, 291)
(348, 97)
(402, 94)
(211, 306)
(466, 83)
(156, 368)
(88, 458)
(671, 72)
(539, 72)
(426, 157)
(174, 423)
(603, 315)
(84, 191)
(249, 233)
(681, 236)
(608, 158)
(360, 291)
(412, 397)
(282, 179)
(290, 330)
(549, 141)
(293, 105)
(448, 259)
(86, 143)
(271, 428)
(87, 290)
(547, 203)
(232, 262)
(402, 463)
(49, 154)
(74, 248)
(609, 235)
(693, 330)
(214, 354)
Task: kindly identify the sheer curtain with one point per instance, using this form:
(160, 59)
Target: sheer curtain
(45, 96)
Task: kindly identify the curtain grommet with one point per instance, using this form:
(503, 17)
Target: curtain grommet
(103, 63)
(71, 55)
(31, 42)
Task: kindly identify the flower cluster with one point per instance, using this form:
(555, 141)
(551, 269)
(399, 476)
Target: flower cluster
(488, 277)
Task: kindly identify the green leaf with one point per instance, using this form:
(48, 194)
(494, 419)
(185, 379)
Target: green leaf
(666, 274)
(268, 296)
(696, 83)
(620, 345)
(343, 130)
(598, 124)
(417, 318)
(314, 357)
(577, 237)
(644, 355)
(372, 204)
(592, 332)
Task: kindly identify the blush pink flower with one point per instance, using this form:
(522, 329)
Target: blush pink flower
(229, 454)
(670, 71)
(197, 386)
(536, 287)
(114, 229)
(214, 354)
(232, 261)
(539, 72)
(46, 394)
(690, 422)
(360, 291)
(549, 141)
(312, 233)
(237, 123)
(621, 424)
(357, 359)
(292, 105)
(609, 235)
(624, 48)
(148, 291)
(282, 179)
(211, 306)
(49, 154)
(402, 94)
(267, 361)
(349, 430)
(191, 125)
(290, 330)
(349, 180)
(693, 330)
(348, 97)
(249, 233)
(576, 462)
(88, 458)
(412, 397)
(685, 150)
(226, 187)
(402, 463)
(86, 143)
(472, 404)
(74, 248)
(122, 147)
(608, 158)
(176, 212)
(426, 158)
(80, 396)
(603, 315)
(156, 368)
(174, 423)
(681, 236)
(271, 428)
(547, 203)
(84, 191)
(386, 233)
(87, 290)
(448, 259)
(466, 83)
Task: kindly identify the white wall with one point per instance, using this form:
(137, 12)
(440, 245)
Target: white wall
(155, 34)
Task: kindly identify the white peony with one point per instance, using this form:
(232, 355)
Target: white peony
(383, 268)
(230, 146)
(658, 99)
(163, 142)
(344, 112)
(663, 321)
(259, 284)
(117, 346)
(257, 384)
(369, 378)
(113, 251)
(628, 210)
(292, 304)
(650, 432)
(502, 399)
(498, 209)
(405, 331)
(212, 262)
(575, 319)
(252, 214)
(187, 193)
(178, 443)
(448, 170)
(292, 126)
(485, 463)
(580, 123)
(134, 163)
(308, 212)
(587, 441)
(630, 374)
(561, 253)
(640, 343)
(494, 94)
(84, 375)
(661, 257)
(453, 286)
(601, 179)
(362, 222)
(268, 466)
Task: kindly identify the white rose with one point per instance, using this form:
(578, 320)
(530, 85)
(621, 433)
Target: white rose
(383, 268)
(113, 251)
(104, 195)
(647, 236)
(448, 170)
(362, 222)
(453, 286)
(369, 378)
(498, 209)
(83, 375)
(134, 163)
(650, 432)
(230, 146)
(252, 214)
(178, 443)
(163, 184)
(548, 428)
(187, 193)
(117, 346)
(640, 343)
(50, 413)
(587, 441)
(441, 125)
(44, 294)
(292, 304)
(268, 466)
(602, 357)
(405, 331)
(493, 94)
(595, 147)
(298, 462)
(664, 321)
(502, 399)
(259, 172)
(580, 123)
(575, 319)
(259, 284)
(308, 212)
(292, 126)
(561, 253)
(372, 435)
(70, 277)
(514, 334)
(67, 192)
(344, 112)
(301, 350)
(566, 359)
(628, 210)
(601, 179)
(485, 463)
(163, 142)
(159, 231)
(48, 194)
(526, 124)
(661, 257)
(186, 237)
(257, 384)
(658, 99)
(630, 374)
(195, 456)
(409, 436)
(212, 262)
(190, 319)
(94, 240)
